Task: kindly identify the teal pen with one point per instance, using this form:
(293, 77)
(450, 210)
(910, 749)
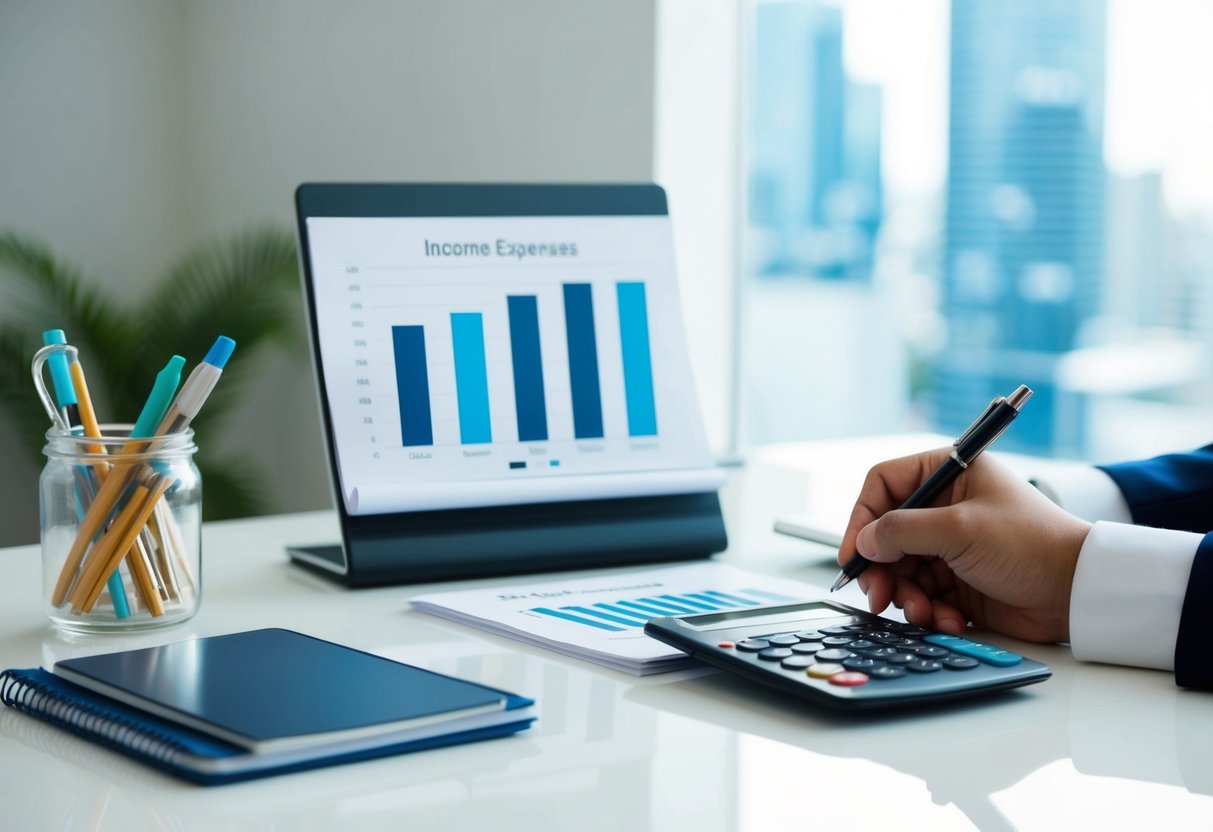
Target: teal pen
(65, 396)
(159, 400)
(61, 380)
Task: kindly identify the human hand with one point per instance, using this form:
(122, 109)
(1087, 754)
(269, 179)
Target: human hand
(992, 550)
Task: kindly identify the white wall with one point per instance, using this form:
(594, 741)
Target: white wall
(130, 128)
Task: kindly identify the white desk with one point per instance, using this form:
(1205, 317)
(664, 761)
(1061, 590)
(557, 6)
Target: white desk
(1095, 747)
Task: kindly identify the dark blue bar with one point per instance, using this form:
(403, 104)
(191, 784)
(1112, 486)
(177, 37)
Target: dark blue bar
(637, 359)
(528, 368)
(412, 385)
(583, 361)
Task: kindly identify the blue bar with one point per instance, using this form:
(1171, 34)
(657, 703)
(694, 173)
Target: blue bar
(618, 610)
(699, 605)
(471, 377)
(412, 385)
(627, 622)
(583, 361)
(650, 609)
(734, 598)
(637, 360)
(528, 368)
(678, 608)
(577, 619)
(708, 599)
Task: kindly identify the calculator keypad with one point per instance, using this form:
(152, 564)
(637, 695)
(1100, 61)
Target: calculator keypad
(850, 655)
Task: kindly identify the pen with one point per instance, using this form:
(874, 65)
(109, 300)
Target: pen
(980, 435)
(65, 394)
(197, 387)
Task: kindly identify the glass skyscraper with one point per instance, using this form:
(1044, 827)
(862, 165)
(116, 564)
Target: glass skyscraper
(1024, 236)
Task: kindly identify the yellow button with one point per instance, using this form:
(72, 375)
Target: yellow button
(825, 670)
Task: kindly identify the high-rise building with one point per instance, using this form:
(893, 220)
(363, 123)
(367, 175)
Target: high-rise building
(815, 196)
(1024, 239)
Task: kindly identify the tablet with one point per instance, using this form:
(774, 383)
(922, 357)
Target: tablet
(503, 378)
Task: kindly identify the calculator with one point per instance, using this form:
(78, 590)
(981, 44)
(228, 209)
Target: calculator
(842, 657)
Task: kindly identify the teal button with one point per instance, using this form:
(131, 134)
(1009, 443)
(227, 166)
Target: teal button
(982, 652)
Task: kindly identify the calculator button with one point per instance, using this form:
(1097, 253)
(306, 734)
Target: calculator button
(900, 658)
(854, 628)
(784, 640)
(833, 654)
(809, 635)
(959, 663)
(860, 663)
(727, 645)
(861, 645)
(924, 665)
(825, 670)
(883, 653)
(910, 631)
(982, 652)
(797, 662)
(834, 631)
(885, 638)
(849, 679)
(753, 645)
(806, 648)
(930, 651)
(887, 671)
(774, 654)
(836, 641)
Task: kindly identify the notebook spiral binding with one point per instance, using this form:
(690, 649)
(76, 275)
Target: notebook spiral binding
(23, 693)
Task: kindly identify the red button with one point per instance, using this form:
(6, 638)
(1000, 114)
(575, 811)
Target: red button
(849, 679)
(725, 644)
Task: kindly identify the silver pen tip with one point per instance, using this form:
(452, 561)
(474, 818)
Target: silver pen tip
(839, 583)
(1020, 397)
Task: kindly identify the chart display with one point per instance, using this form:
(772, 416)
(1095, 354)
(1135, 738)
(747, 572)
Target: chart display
(496, 360)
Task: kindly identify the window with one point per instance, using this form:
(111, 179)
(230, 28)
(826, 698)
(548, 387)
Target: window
(946, 200)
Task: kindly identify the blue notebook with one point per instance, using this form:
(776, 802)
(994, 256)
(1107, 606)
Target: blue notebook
(234, 707)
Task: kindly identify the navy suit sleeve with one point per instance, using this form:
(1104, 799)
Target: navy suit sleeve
(1169, 492)
(1194, 643)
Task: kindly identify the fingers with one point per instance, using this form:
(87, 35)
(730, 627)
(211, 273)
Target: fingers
(887, 486)
(925, 532)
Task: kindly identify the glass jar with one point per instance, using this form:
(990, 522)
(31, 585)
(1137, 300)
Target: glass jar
(121, 530)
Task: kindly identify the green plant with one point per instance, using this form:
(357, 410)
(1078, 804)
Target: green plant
(245, 287)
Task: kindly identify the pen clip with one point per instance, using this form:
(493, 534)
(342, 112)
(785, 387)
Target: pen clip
(979, 421)
(39, 361)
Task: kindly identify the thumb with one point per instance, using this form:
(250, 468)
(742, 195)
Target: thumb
(916, 531)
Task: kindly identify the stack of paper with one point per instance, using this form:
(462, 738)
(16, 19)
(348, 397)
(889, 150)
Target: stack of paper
(601, 619)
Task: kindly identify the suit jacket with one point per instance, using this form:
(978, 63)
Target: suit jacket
(1176, 492)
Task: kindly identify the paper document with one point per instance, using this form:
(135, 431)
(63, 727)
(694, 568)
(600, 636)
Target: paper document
(602, 619)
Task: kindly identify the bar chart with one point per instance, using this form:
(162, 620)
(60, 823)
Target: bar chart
(621, 615)
(529, 391)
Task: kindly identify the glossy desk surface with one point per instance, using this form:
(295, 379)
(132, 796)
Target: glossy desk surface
(1095, 747)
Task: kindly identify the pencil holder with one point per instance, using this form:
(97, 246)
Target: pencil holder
(121, 526)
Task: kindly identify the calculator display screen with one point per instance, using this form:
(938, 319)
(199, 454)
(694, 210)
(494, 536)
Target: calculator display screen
(766, 615)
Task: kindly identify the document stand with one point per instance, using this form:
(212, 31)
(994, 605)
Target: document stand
(457, 543)
(503, 540)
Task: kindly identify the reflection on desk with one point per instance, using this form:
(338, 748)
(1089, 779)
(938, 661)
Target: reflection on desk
(1094, 747)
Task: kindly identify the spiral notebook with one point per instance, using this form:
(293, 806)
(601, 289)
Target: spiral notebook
(235, 707)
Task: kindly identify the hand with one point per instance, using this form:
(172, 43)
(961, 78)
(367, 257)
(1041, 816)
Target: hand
(993, 550)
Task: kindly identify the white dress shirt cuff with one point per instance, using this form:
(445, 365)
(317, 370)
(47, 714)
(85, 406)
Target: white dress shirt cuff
(1128, 594)
(1085, 492)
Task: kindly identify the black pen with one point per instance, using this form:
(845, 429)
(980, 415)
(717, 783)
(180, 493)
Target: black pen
(980, 435)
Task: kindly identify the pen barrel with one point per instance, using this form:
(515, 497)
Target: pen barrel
(983, 434)
(121, 533)
(934, 485)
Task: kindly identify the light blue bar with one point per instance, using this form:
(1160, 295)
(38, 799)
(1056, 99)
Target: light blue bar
(707, 598)
(605, 616)
(626, 613)
(577, 619)
(471, 378)
(675, 606)
(746, 602)
(651, 610)
(699, 605)
(637, 359)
